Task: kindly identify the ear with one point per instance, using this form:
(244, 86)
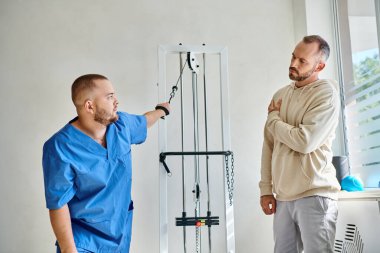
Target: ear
(320, 67)
(89, 106)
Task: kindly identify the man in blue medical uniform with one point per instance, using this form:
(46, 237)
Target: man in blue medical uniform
(87, 170)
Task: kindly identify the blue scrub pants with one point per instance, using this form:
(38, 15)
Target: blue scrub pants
(78, 249)
(306, 224)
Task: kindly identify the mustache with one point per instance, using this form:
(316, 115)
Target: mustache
(293, 68)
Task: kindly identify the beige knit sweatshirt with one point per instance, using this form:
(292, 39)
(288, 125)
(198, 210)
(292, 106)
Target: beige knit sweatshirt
(296, 155)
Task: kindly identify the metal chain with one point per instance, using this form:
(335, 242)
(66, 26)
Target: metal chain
(232, 174)
(230, 181)
(197, 240)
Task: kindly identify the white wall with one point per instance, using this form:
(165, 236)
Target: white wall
(45, 45)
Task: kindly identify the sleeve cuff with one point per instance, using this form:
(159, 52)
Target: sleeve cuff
(274, 115)
(52, 205)
(266, 190)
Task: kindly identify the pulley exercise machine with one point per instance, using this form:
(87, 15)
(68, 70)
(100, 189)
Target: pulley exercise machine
(201, 144)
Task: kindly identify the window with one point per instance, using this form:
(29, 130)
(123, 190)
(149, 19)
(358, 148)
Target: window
(358, 35)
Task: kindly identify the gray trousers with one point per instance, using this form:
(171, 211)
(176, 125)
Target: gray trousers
(307, 224)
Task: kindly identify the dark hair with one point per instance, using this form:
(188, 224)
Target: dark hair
(84, 83)
(324, 47)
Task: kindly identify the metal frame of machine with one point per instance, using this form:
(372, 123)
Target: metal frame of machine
(191, 52)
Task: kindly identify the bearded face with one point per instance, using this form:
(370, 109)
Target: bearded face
(295, 75)
(306, 62)
(104, 103)
(105, 118)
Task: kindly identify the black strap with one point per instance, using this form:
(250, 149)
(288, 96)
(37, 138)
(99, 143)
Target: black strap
(159, 107)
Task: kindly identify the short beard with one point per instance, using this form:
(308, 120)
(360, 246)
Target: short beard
(303, 76)
(105, 118)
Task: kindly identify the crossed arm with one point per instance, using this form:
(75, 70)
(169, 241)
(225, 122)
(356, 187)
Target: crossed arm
(268, 202)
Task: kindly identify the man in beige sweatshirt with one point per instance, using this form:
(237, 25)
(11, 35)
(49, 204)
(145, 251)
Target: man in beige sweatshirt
(298, 183)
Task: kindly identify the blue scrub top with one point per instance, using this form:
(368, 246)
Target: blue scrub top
(95, 182)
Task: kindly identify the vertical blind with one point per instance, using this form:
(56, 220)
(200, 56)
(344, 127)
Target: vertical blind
(363, 122)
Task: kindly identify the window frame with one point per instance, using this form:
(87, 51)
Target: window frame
(344, 65)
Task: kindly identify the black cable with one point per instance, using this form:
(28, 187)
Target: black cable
(175, 87)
